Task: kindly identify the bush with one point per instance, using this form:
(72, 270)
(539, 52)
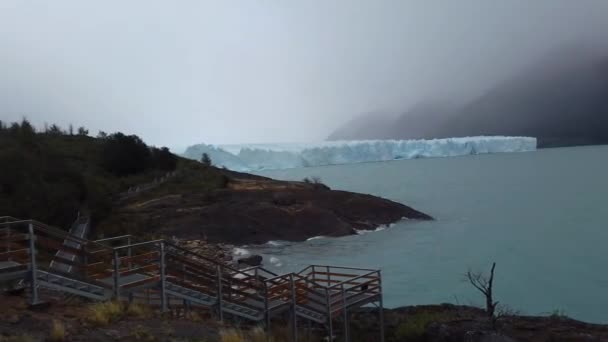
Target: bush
(138, 311)
(57, 331)
(104, 313)
(124, 155)
(19, 338)
(415, 326)
(231, 335)
(163, 159)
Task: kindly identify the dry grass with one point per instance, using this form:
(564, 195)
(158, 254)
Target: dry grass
(194, 316)
(231, 335)
(104, 313)
(258, 334)
(20, 338)
(142, 334)
(57, 331)
(138, 311)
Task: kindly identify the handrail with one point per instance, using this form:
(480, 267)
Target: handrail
(114, 238)
(138, 244)
(344, 267)
(164, 261)
(37, 225)
(258, 268)
(351, 279)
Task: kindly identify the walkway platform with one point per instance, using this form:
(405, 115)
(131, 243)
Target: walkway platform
(161, 273)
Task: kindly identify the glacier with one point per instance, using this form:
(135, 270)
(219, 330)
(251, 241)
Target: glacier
(250, 157)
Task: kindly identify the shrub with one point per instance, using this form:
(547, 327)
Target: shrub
(57, 331)
(163, 159)
(257, 334)
(19, 338)
(558, 314)
(124, 155)
(138, 311)
(141, 334)
(231, 335)
(414, 328)
(106, 312)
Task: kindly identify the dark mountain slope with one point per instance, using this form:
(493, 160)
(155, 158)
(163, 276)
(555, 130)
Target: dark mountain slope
(562, 100)
(561, 105)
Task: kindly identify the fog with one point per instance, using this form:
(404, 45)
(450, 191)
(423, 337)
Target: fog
(183, 72)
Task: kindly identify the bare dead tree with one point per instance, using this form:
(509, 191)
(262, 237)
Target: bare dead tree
(484, 284)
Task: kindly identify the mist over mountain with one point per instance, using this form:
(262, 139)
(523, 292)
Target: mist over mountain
(561, 99)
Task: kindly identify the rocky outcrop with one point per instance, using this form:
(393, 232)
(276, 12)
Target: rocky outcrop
(254, 260)
(257, 210)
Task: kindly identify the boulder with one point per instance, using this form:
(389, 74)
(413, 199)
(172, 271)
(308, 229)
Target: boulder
(254, 260)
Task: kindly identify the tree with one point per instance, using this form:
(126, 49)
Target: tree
(206, 160)
(124, 154)
(27, 128)
(102, 135)
(163, 159)
(484, 284)
(71, 130)
(83, 131)
(55, 130)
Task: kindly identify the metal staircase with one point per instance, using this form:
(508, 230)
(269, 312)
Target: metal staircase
(165, 274)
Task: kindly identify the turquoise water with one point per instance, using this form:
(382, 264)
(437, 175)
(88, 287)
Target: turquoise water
(542, 216)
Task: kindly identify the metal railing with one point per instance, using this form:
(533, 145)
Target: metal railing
(126, 267)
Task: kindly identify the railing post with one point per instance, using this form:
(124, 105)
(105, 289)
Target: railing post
(34, 280)
(116, 275)
(328, 277)
(129, 251)
(219, 293)
(8, 242)
(266, 308)
(346, 335)
(329, 323)
(294, 317)
(381, 308)
(163, 276)
(85, 261)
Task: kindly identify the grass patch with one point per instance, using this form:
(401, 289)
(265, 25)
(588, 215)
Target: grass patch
(141, 334)
(558, 314)
(19, 338)
(138, 311)
(232, 335)
(104, 313)
(415, 326)
(257, 334)
(57, 331)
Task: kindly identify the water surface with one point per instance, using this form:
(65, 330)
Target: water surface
(542, 216)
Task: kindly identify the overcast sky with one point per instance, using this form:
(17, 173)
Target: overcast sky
(184, 72)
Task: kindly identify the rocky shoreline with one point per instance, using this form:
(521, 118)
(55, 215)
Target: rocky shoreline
(254, 210)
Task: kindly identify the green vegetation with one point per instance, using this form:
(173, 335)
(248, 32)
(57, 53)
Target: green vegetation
(57, 333)
(206, 160)
(51, 174)
(19, 338)
(415, 326)
(558, 314)
(104, 313)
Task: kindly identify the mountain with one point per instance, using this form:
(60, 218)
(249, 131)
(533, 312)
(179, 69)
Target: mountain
(562, 100)
(366, 126)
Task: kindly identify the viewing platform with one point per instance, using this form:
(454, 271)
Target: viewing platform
(160, 273)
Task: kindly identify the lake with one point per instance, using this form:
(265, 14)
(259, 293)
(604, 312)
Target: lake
(541, 216)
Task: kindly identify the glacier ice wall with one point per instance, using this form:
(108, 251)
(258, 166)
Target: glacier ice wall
(282, 156)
